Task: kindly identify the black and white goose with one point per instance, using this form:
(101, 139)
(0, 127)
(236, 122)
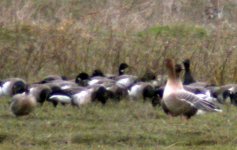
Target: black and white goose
(40, 92)
(189, 79)
(80, 96)
(51, 78)
(141, 90)
(12, 86)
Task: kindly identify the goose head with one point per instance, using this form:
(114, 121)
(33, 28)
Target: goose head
(82, 79)
(170, 65)
(122, 68)
(186, 63)
(19, 87)
(188, 78)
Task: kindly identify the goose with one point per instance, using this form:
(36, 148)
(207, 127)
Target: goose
(40, 92)
(126, 80)
(22, 104)
(121, 70)
(80, 96)
(122, 79)
(96, 93)
(200, 91)
(141, 90)
(177, 101)
(64, 84)
(58, 95)
(98, 77)
(188, 78)
(82, 79)
(116, 92)
(223, 92)
(51, 78)
(12, 86)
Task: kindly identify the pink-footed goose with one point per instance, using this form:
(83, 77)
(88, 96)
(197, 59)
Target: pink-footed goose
(178, 101)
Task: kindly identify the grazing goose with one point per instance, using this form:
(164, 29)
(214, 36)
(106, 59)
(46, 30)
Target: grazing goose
(96, 93)
(62, 96)
(64, 84)
(178, 101)
(40, 92)
(12, 86)
(141, 90)
(22, 104)
(98, 77)
(126, 81)
(221, 93)
(116, 92)
(79, 96)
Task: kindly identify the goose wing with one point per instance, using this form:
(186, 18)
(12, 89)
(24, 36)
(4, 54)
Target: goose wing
(196, 101)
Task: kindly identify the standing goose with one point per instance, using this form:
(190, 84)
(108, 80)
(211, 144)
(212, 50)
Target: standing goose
(22, 104)
(188, 78)
(177, 101)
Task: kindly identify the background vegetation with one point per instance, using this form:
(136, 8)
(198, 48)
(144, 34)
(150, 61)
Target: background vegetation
(39, 38)
(42, 37)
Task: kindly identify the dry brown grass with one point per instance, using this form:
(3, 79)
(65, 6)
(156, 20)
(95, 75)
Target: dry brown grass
(67, 37)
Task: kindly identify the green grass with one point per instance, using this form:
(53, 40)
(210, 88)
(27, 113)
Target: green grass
(180, 31)
(124, 125)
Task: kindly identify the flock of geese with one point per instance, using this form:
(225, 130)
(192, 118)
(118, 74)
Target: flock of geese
(176, 97)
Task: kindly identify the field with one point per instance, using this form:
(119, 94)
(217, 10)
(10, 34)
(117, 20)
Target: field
(124, 125)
